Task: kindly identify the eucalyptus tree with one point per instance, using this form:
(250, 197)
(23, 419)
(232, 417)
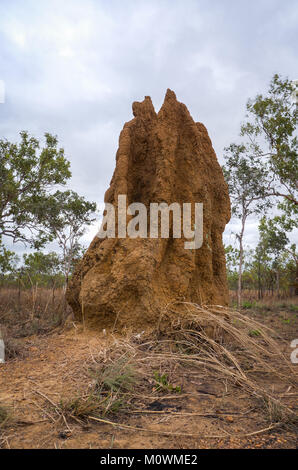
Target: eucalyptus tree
(275, 242)
(64, 217)
(264, 166)
(29, 173)
(270, 132)
(247, 181)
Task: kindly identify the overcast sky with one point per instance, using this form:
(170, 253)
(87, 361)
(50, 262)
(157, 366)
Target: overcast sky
(74, 67)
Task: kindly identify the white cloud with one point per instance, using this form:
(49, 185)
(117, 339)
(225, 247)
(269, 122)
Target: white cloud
(73, 68)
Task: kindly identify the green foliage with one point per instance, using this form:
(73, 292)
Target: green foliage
(247, 179)
(253, 333)
(79, 407)
(270, 130)
(162, 384)
(41, 263)
(261, 168)
(113, 386)
(232, 257)
(8, 260)
(42, 268)
(274, 238)
(294, 308)
(33, 211)
(247, 304)
(119, 376)
(64, 217)
(27, 175)
(266, 272)
(65, 212)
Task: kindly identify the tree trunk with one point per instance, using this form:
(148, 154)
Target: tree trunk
(259, 280)
(277, 283)
(19, 294)
(240, 238)
(53, 292)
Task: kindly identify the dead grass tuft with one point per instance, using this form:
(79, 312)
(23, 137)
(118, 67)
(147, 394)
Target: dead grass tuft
(24, 314)
(132, 372)
(5, 420)
(214, 339)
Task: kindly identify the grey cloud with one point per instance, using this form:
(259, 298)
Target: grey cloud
(73, 68)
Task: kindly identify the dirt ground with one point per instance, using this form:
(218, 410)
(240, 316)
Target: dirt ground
(208, 413)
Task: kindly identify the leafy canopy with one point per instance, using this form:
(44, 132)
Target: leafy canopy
(271, 137)
(28, 174)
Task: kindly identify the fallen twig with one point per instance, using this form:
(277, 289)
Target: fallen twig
(179, 434)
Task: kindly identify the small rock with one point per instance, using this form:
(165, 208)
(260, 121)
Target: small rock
(230, 419)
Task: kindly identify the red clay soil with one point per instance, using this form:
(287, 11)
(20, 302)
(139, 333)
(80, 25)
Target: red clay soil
(57, 369)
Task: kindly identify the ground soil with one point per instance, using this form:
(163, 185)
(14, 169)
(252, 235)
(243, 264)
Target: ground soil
(52, 370)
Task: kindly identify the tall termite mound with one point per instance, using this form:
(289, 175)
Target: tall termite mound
(162, 157)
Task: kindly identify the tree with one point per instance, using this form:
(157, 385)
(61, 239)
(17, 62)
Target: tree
(39, 269)
(64, 217)
(265, 164)
(232, 259)
(27, 176)
(8, 260)
(42, 267)
(247, 183)
(270, 137)
(275, 241)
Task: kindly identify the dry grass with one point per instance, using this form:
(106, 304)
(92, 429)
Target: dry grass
(213, 340)
(30, 311)
(4, 416)
(5, 420)
(113, 386)
(221, 340)
(155, 382)
(270, 300)
(14, 348)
